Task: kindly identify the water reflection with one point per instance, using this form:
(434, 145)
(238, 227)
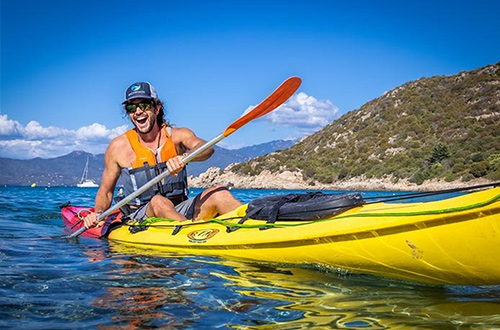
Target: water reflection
(254, 296)
(143, 292)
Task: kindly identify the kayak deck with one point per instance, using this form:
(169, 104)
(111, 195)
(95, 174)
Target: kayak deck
(452, 241)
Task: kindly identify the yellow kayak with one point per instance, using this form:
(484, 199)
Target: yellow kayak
(451, 241)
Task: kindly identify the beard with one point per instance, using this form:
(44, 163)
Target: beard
(146, 126)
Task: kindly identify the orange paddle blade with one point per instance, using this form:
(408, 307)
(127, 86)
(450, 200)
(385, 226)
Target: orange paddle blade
(274, 100)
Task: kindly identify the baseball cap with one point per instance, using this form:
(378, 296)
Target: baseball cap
(140, 90)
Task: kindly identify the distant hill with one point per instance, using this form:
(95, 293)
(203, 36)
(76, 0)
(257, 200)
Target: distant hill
(444, 127)
(60, 171)
(223, 157)
(67, 170)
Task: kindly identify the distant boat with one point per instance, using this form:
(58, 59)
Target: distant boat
(85, 182)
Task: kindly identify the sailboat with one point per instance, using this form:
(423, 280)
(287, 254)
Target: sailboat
(84, 182)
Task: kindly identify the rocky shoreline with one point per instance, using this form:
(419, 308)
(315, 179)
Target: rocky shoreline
(293, 180)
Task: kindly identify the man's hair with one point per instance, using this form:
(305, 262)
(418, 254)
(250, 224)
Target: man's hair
(160, 118)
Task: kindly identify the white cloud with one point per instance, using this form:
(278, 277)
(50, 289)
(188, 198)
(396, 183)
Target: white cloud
(98, 132)
(302, 112)
(20, 149)
(9, 127)
(35, 131)
(34, 140)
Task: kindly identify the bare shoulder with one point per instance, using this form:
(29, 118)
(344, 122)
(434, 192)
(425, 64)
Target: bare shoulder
(116, 144)
(119, 151)
(184, 138)
(181, 135)
(181, 132)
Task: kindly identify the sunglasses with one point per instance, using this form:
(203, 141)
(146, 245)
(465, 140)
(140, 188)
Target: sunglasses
(132, 107)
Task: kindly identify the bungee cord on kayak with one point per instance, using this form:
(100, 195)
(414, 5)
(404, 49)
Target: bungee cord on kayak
(286, 223)
(379, 199)
(227, 222)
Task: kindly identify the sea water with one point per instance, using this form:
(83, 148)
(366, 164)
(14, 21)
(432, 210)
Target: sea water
(49, 282)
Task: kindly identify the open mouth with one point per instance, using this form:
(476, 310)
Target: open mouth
(141, 120)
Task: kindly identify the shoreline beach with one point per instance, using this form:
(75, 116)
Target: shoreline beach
(293, 180)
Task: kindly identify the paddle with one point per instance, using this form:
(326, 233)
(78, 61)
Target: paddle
(274, 100)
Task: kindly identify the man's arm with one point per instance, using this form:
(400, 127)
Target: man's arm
(185, 139)
(189, 141)
(104, 195)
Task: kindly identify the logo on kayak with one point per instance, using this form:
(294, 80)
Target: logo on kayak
(135, 87)
(201, 236)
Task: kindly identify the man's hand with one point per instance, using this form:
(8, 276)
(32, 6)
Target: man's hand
(175, 165)
(91, 220)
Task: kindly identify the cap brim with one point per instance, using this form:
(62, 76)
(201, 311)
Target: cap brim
(138, 97)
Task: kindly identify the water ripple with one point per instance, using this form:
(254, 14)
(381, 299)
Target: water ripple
(48, 282)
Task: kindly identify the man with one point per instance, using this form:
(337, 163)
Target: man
(143, 152)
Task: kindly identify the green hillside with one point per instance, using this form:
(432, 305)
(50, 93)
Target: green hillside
(445, 127)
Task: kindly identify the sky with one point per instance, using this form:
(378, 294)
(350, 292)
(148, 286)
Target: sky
(65, 64)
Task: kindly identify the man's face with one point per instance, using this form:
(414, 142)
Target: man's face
(142, 113)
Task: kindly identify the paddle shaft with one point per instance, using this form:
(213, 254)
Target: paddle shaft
(273, 101)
